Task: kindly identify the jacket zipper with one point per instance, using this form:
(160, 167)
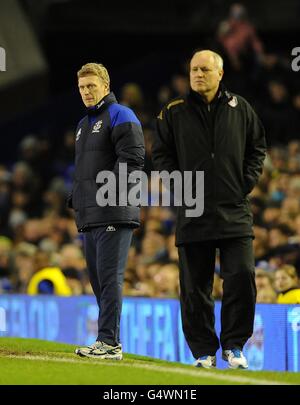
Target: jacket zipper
(212, 128)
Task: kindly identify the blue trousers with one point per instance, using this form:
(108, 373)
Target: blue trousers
(106, 250)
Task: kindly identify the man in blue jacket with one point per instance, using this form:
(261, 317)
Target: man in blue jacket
(108, 135)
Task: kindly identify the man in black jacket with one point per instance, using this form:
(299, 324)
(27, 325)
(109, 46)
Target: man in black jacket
(110, 134)
(214, 131)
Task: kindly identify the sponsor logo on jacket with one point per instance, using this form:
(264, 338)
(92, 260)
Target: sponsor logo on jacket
(110, 228)
(78, 134)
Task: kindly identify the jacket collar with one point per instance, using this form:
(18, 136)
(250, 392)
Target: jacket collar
(102, 104)
(222, 95)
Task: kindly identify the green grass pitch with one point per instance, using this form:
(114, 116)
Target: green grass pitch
(32, 361)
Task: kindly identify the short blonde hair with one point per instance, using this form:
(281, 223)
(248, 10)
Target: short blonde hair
(96, 69)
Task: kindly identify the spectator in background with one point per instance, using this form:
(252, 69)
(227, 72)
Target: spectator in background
(297, 229)
(148, 136)
(5, 200)
(260, 242)
(238, 37)
(294, 145)
(24, 266)
(178, 86)
(5, 264)
(294, 187)
(279, 184)
(243, 51)
(217, 291)
(138, 281)
(279, 236)
(257, 208)
(65, 155)
(36, 153)
(264, 285)
(295, 118)
(287, 285)
(263, 279)
(266, 296)
(166, 282)
(172, 249)
(154, 247)
(26, 185)
(271, 214)
(132, 97)
(131, 277)
(75, 281)
(49, 280)
(73, 266)
(276, 114)
(55, 196)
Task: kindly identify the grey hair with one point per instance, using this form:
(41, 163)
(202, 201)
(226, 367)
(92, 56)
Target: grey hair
(217, 58)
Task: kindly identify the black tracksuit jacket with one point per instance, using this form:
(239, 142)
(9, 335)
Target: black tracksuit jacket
(109, 134)
(226, 140)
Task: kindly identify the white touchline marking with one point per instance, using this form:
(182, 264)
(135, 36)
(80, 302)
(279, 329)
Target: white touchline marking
(175, 370)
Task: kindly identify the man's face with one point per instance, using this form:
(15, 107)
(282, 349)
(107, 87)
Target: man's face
(92, 89)
(205, 75)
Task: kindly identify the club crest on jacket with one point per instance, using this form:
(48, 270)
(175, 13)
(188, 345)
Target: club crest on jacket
(97, 126)
(233, 102)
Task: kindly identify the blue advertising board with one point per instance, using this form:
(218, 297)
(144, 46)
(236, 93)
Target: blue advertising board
(150, 327)
(293, 337)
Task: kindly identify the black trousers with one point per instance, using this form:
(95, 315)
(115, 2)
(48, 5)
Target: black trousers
(197, 265)
(106, 254)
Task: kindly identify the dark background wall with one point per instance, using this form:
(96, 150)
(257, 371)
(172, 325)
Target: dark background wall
(144, 42)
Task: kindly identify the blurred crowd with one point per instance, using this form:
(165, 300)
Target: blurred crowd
(40, 249)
